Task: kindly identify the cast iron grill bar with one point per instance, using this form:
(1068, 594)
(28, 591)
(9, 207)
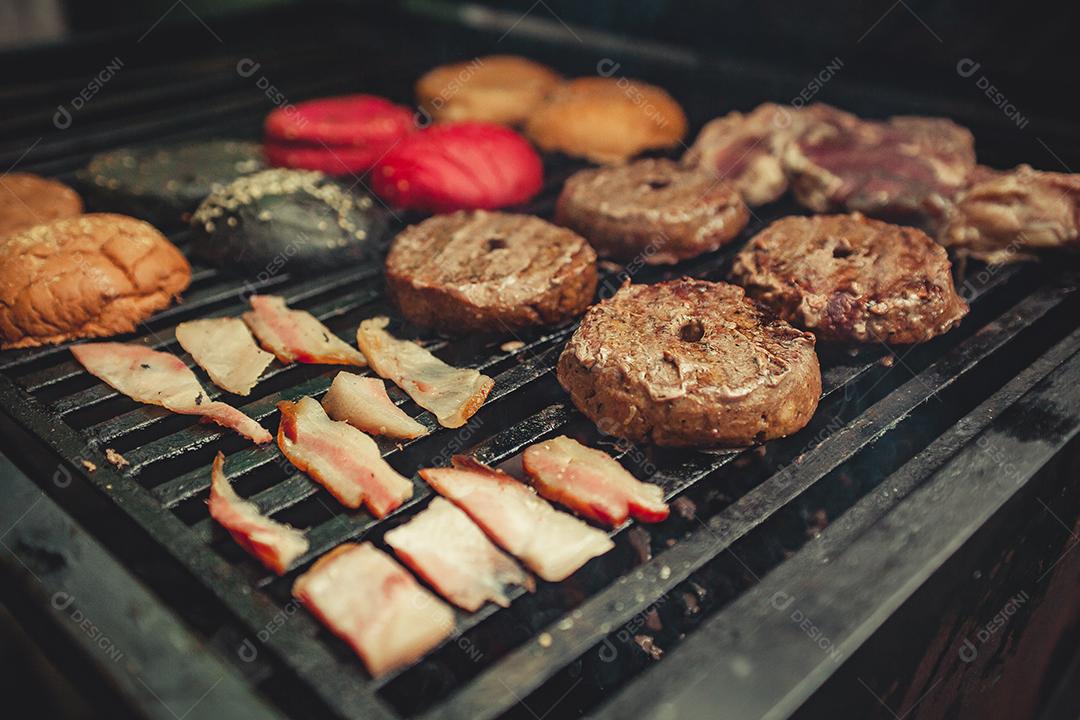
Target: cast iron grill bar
(217, 78)
(244, 104)
(526, 668)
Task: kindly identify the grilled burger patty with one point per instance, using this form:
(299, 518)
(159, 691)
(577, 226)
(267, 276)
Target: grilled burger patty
(849, 278)
(654, 210)
(481, 271)
(690, 363)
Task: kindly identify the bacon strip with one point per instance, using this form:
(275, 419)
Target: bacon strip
(160, 378)
(375, 605)
(363, 403)
(344, 460)
(552, 544)
(224, 348)
(452, 394)
(276, 545)
(591, 483)
(296, 335)
(448, 550)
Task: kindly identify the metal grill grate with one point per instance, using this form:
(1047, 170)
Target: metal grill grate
(758, 501)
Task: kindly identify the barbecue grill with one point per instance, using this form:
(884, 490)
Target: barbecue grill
(910, 543)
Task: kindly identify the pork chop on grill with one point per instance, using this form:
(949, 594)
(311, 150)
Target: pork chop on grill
(849, 278)
(905, 169)
(1007, 216)
(746, 150)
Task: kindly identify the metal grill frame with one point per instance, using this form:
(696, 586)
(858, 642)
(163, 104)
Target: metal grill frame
(340, 684)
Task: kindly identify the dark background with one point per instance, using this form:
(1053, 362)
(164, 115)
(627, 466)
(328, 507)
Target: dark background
(1027, 49)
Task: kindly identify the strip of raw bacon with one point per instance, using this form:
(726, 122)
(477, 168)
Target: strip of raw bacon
(160, 378)
(448, 550)
(551, 543)
(591, 483)
(296, 335)
(452, 394)
(344, 460)
(276, 545)
(363, 403)
(224, 348)
(375, 605)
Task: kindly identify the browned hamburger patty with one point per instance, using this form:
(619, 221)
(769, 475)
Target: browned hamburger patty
(849, 278)
(690, 363)
(489, 272)
(652, 210)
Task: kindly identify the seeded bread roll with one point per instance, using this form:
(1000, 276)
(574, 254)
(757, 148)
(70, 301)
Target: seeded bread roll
(286, 221)
(90, 276)
(27, 200)
(500, 88)
(607, 120)
(164, 184)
